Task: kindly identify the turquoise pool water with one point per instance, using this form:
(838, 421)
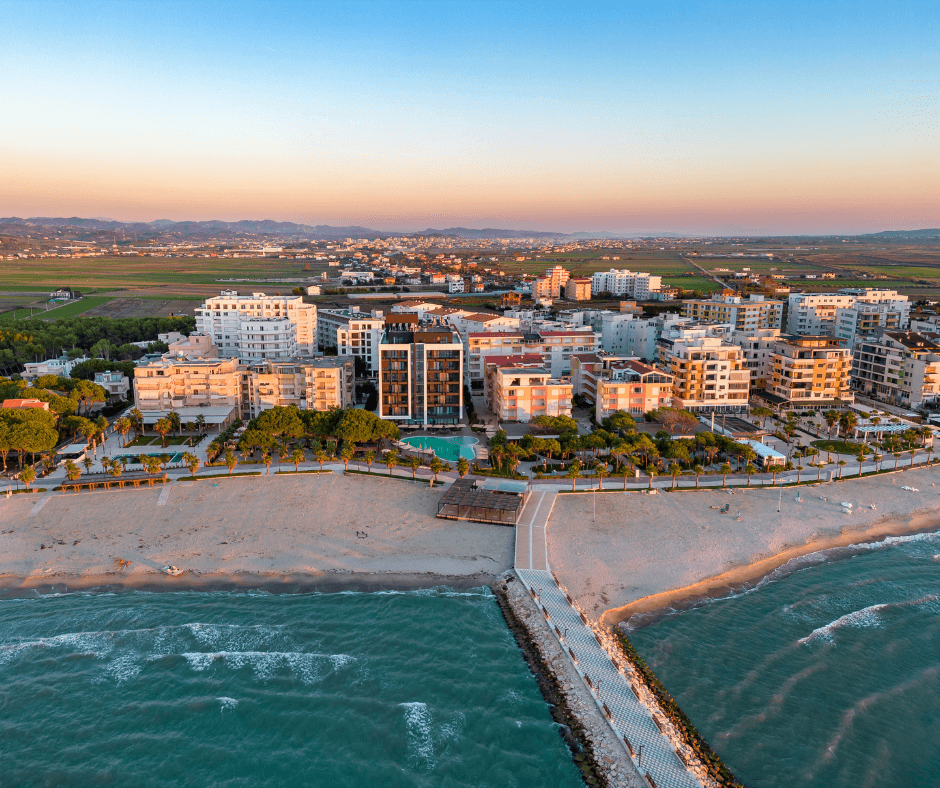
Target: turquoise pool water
(134, 459)
(450, 449)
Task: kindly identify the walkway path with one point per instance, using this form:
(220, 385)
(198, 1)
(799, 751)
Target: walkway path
(650, 750)
(531, 544)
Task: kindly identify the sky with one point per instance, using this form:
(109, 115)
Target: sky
(635, 117)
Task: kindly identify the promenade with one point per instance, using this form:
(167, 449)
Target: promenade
(650, 750)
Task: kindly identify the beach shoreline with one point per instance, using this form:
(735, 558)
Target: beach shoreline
(274, 583)
(638, 557)
(648, 610)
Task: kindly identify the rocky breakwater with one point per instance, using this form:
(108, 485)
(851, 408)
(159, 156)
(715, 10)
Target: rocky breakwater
(599, 754)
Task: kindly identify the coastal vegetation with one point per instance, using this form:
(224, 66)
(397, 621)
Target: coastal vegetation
(35, 339)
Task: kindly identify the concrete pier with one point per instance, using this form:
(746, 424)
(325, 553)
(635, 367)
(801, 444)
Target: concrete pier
(647, 746)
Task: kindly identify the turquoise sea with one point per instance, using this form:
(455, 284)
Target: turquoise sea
(423, 688)
(825, 675)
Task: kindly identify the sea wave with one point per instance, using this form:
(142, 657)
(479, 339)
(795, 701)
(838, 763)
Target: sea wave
(305, 665)
(866, 617)
(420, 739)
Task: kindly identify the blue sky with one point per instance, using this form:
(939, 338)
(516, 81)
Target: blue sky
(717, 117)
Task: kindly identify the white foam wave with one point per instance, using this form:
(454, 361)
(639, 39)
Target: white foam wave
(227, 703)
(866, 617)
(420, 741)
(307, 666)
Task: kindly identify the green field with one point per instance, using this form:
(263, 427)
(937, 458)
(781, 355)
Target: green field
(67, 310)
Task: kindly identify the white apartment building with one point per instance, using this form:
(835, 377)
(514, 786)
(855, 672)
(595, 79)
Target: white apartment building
(898, 367)
(221, 318)
(633, 284)
(814, 314)
(863, 320)
(455, 284)
(554, 347)
(758, 349)
(61, 366)
(629, 335)
(352, 333)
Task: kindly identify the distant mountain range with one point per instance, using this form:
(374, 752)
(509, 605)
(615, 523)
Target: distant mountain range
(905, 235)
(326, 232)
(283, 229)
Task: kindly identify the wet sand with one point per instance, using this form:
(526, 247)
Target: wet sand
(647, 553)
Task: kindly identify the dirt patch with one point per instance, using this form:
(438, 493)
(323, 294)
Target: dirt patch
(144, 307)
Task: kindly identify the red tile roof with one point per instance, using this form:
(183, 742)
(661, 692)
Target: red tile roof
(25, 403)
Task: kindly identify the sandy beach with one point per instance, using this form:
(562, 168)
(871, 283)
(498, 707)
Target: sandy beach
(311, 531)
(650, 552)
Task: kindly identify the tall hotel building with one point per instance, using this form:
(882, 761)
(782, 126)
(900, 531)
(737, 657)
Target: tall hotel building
(420, 373)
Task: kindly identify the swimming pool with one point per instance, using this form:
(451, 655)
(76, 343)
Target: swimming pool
(134, 459)
(449, 449)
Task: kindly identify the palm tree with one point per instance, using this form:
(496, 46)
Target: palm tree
(88, 462)
(512, 456)
(230, 460)
(192, 462)
(191, 428)
(27, 475)
(496, 457)
(897, 456)
(847, 421)
(72, 471)
(436, 466)
(414, 463)
(266, 459)
(391, 460)
(174, 418)
(163, 427)
(799, 473)
(674, 471)
(600, 467)
(200, 423)
(573, 472)
(698, 471)
(724, 470)
(750, 470)
(320, 457)
(861, 459)
(370, 458)
(877, 458)
(150, 464)
(137, 421)
(297, 457)
(841, 465)
(463, 467)
(832, 418)
(115, 468)
(346, 455)
(123, 425)
(164, 460)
